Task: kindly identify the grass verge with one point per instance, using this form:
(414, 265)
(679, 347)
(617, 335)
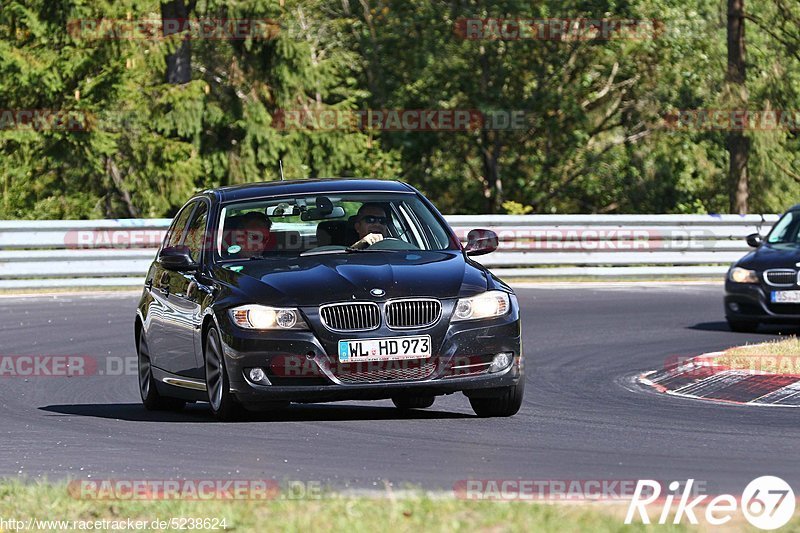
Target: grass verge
(782, 347)
(780, 357)
(412, 512)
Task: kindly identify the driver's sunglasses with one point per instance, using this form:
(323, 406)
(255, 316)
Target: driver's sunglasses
(372, 219)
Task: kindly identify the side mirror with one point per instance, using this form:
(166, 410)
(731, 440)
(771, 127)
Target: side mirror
(481, 241)
(754, 240)
(177, 258)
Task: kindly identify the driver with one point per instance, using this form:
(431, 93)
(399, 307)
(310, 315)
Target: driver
(370, 224)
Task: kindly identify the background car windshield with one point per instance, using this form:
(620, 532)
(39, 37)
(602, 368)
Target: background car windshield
(786, 231)
(306, 223)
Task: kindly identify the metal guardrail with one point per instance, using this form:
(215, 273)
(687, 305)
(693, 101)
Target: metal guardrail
(114, 253)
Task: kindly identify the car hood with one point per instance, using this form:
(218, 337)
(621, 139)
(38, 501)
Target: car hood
(772, 256)
(320, 279)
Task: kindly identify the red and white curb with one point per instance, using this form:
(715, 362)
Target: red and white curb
(705, 377)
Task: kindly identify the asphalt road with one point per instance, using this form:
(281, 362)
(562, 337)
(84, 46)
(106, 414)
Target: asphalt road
(583, 416)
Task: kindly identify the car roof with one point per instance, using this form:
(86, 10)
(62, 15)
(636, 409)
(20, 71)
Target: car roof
(323, 185)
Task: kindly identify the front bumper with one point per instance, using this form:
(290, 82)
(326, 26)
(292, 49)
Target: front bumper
(299, 367)
(750, 302)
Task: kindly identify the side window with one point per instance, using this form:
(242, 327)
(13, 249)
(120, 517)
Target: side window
(176, 231)
(196, 234)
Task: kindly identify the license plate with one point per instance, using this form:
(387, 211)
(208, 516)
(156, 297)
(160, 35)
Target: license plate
(785, 297)
(386, 349)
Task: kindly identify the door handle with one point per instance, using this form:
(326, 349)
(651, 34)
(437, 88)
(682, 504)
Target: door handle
(149, 284)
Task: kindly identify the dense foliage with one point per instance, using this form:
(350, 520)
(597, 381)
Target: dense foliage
(161, 117)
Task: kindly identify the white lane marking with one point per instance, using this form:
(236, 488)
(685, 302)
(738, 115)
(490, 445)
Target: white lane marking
(713, 383)
(791, 391)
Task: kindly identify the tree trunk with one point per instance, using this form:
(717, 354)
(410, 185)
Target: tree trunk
(738, 143)
(117, 180)
(492, 182)
(174, 14)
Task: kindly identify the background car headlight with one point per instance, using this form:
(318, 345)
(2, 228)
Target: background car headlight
(742, 275)
(263, 317)
(486, 305)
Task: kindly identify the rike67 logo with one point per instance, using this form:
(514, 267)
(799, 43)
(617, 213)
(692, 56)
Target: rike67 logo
(767, 503)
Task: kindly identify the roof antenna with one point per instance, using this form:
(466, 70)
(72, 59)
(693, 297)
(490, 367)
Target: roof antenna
(280, 161)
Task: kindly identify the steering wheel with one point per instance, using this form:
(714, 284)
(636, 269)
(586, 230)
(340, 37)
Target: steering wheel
(391, 243)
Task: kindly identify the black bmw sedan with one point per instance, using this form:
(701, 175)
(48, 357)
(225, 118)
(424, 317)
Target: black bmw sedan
(763, 286)
(324, 290)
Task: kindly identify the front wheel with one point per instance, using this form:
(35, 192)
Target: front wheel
(223, 404)
(151, 399)
(507, 403)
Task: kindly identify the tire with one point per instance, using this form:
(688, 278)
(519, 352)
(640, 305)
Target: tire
(413, 402)
(506, 404)
(151, 398)
(742, 326)
(223, 404)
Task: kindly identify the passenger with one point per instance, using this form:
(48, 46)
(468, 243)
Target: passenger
(249, 235)
(371, 225)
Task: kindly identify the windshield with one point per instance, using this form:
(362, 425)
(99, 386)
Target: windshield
(328, 224)
(786, 231)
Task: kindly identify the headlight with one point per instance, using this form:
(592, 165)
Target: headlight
(742, 275)
(263, 317)
(486, 305)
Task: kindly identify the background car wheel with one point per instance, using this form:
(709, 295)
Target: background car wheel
(151, 398)
(743, 326)
(506, 404)
(413, 402)
(223, 404)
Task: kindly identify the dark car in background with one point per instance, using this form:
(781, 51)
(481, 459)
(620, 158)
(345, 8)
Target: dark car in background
(258, 297)
(763, 286)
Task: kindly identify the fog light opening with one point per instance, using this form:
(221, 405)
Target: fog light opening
(733, 306)
(257, 375)
(501, 361)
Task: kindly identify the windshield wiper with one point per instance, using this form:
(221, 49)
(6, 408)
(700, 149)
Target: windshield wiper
(348, 250)
(328, 252)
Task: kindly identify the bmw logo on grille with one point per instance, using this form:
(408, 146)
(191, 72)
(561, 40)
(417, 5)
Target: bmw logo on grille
(377, 292)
